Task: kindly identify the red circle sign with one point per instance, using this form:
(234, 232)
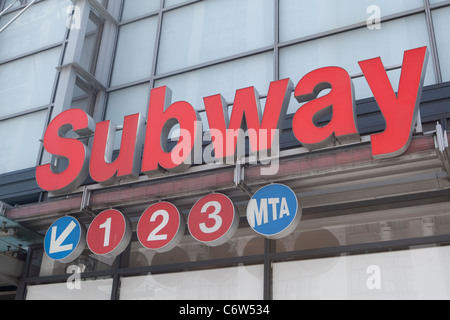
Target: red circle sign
(109, 233)
(161, 227)
(213, 219)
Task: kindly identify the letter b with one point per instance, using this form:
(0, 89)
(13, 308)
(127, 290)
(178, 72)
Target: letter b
(162, 118)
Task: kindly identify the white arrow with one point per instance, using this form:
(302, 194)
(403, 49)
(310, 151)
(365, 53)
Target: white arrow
(56, 244)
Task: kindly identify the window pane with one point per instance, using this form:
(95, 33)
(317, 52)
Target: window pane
(168, 3)
(89, 290)
(83, 97)
(43, 24)
(210, 30)
(441, 26)
(399, 275)
(362, 89)
(126, 102)
(135, 8)
(20, 137)
(243, 243)
(28, 82)
(89, 53)
(135, 50)
(239, 283)
(9, 2)
(347, 49)
(224, 78)
(302, 18)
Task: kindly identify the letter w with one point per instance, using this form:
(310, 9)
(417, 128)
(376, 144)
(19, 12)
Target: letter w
(261, 128)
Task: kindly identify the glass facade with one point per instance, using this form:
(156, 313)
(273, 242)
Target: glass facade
(31, 49)
(105, 56)
(441, 24)
(417, 274)
(396, 259)
(200, 48)
(246, 43)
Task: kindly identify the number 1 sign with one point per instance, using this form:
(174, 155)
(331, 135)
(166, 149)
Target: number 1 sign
(109, 233)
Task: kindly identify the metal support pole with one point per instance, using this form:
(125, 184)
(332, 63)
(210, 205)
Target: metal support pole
(17, 16)
(7, 8)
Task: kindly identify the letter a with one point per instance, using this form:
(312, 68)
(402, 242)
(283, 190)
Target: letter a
(339, 102)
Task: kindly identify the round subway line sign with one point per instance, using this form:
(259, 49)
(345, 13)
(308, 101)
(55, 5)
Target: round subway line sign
(109, 233)
(274, 211)
(161, 227)
(65, 240)
(213, 220)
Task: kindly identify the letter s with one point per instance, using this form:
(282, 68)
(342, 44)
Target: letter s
(74, 150)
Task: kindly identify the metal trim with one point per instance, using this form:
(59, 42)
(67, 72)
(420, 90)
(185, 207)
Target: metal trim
(17, 16)
(433, 43)
(268, 258)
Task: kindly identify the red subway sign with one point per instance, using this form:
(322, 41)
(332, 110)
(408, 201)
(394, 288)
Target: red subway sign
(400, 112)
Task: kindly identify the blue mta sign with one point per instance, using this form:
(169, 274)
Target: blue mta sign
(274, 211)
(65, 240)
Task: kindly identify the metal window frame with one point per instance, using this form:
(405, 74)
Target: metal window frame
(267, 259)
(5, 10)
(17, 16)
(275, 47)
(50, 105)
(433, 43)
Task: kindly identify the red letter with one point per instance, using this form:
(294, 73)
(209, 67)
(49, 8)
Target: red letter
(247, 102)
(102, 169)
(72, 149)
(400, 111)
(161, 119)
(339, 101)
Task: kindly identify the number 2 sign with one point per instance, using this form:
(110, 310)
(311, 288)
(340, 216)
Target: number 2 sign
(161, 227)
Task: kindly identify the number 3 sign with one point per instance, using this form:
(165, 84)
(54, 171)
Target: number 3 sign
(213, 219)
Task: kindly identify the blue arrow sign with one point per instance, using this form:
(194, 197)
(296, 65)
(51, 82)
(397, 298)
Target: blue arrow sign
(65, 240)
(274, 211)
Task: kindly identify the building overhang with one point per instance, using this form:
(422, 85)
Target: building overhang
(329, 182)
